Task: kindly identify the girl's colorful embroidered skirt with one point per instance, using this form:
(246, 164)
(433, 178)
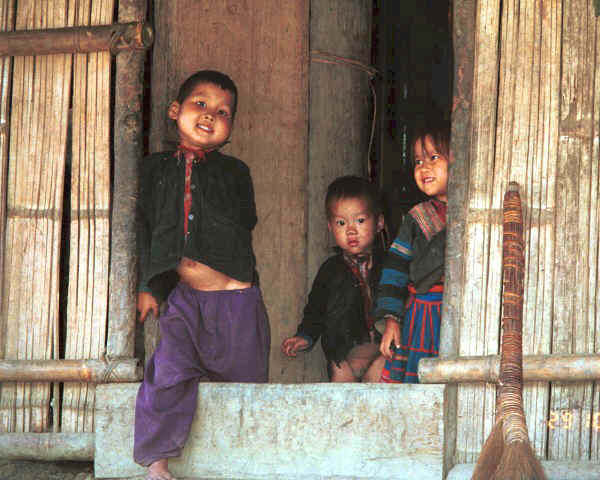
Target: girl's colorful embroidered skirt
(420, 336)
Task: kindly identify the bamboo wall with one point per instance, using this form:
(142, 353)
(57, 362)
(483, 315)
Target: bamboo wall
(49, 95)
(527, 108)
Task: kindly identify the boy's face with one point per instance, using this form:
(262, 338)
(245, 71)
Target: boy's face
(431, 169)
(204, 118)
(353, 225)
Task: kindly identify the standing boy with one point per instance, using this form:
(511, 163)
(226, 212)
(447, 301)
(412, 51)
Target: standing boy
(197, 213)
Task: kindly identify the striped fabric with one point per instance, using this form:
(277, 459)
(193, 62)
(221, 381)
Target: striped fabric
(420, 336)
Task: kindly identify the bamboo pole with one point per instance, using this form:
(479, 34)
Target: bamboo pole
(83, 39)
(536, 368)
(51, 447)
(128, 152)
(91, 371)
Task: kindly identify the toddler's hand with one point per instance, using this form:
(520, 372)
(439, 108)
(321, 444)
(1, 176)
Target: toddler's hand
(391, 336)
(146, 303)
(292, 345)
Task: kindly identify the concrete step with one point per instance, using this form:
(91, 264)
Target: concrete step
(300, 431)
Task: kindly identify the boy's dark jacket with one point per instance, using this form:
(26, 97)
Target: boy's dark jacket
(221, 219)
(335, 308)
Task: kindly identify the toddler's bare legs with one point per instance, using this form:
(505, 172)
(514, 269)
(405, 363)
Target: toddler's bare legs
(373, 374)
(159, 470)
(363, 363)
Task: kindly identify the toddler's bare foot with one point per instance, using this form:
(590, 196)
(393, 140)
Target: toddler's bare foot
(159, 471)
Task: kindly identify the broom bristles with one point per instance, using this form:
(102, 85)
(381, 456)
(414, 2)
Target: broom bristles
(519, 462)
(490, 455)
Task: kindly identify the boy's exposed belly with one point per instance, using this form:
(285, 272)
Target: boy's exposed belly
(202, 277)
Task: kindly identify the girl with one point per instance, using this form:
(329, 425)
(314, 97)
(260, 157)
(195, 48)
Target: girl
(409, 298)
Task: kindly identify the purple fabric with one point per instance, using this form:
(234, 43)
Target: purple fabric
(223, 335)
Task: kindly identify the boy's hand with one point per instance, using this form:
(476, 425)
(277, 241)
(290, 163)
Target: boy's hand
(146, 303)
(292, 345)
(391, 336)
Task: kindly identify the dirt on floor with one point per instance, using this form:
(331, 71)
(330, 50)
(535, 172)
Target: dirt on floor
(27, 470)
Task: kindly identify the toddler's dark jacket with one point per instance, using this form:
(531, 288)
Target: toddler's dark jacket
(335, 310)
(220, 221)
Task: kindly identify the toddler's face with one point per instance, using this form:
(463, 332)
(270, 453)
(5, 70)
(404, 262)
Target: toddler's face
(431, 169)
(353, 225)
(204, 117)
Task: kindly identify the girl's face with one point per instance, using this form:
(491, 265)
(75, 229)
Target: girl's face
(431, 169)
(353, 225)
(204, 118)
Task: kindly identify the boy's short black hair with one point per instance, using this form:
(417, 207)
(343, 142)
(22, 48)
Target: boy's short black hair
(209, 76)
(352, 186)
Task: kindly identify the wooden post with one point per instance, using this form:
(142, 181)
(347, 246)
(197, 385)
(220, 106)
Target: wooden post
(85, 39)
(339, 130)
(89, 371)
(536, 368)
(128, 150)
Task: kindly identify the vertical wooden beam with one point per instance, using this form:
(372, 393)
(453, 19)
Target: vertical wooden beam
(339, 129)
(463, 35)
(128, 151)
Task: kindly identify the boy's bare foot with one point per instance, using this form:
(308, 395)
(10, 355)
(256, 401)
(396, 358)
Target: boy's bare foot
(159, 471)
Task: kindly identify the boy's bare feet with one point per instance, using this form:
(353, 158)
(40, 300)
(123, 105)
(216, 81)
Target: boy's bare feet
(159, 471)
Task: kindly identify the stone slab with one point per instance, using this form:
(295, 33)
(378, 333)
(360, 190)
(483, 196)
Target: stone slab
(303, 431)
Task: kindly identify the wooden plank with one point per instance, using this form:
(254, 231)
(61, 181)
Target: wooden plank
(89, 226)
(40, 102)
(573, 403)
(480, 308)
(264, 49)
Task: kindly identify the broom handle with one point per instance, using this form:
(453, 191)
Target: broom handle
(511, 357)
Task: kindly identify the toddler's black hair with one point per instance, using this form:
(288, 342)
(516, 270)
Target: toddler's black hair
(352, 186)
(209, 76)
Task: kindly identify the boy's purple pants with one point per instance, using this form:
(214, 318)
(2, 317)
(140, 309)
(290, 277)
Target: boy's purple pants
(220, 335)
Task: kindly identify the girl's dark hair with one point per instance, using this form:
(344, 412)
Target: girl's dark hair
(351, 186)
(209, 76)
(438, 129)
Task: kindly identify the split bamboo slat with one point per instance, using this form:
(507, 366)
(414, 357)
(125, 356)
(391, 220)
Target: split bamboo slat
(38, 131)
(480, 305)
(538, 125)
(89, 221)
(577, 237)
(6, 24)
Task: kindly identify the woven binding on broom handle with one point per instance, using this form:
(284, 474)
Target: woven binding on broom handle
(511, 358)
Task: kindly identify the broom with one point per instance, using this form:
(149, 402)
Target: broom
(507, 453)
